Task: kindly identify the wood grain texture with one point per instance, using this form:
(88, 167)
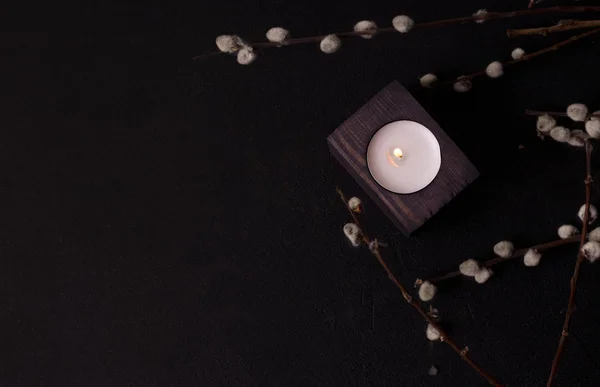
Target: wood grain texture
(349, 142)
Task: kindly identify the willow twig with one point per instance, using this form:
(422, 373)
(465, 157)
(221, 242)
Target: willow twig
(494, 261)
(524, 58)
(444, 337)
(580, 258)
(555, 114)
(563, 25)
(437, 23)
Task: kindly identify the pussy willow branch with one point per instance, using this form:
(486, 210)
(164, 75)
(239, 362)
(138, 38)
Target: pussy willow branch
(564, 25)
(524, 58)
(554, 114)
(444, 337)
(438, 23)
(580, 258)
(494, 261)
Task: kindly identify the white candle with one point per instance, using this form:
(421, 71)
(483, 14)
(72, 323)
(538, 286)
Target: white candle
(404, 157)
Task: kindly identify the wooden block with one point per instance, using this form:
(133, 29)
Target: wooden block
(349, 142)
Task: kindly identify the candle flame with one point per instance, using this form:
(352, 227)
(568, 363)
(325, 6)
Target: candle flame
(394, 156)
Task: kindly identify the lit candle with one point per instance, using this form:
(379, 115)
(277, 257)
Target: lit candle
(404, 157)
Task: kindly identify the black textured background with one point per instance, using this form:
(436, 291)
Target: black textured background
(170, 223)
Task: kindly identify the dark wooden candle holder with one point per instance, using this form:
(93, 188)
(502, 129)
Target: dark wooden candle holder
(349, 142)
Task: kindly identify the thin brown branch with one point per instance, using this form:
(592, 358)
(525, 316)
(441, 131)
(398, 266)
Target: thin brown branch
(562, 26)
(437, 23)
(524, 58)
(494, 261)
(580, 258)
(444, 337)
(554, 114)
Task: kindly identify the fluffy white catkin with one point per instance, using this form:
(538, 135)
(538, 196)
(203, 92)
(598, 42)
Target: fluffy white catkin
(580, 133)
(354, 204)
(517, 53)
(480, 14)
(278, 35)
(591, 251)
(432, 333)
(462, 85)
(494, 70)
(428, 80)
(560, 134)
(469, 267)
(566, 230)
(532, 258)
(403, 23)
(353, 233)
(246, 55)
(578, 138)
(330, 44)
(592, 126)
(593, 215)
(229, 43)
(427, 291)
(577, 111)
(576, 141)
(594, 235)
(483, 275)
(504, 249)
(545, 123)
(366, 26)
